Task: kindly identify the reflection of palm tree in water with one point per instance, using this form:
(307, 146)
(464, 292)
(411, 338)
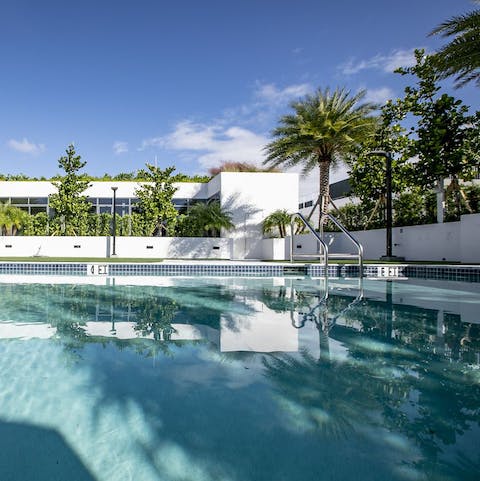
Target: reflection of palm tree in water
(331, 397)
(404, 388)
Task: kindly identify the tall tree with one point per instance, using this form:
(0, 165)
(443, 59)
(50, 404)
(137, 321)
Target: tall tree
(368, 172)
(324, 129)
(155, 201)
(71, 208)
(461, 56)
(446, 139)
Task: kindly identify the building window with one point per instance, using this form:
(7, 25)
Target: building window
(300, 206)
(36, 209)
(309, 203)
(39, 200)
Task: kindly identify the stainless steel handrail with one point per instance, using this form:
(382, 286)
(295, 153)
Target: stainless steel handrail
(355, 242)
(315, 234)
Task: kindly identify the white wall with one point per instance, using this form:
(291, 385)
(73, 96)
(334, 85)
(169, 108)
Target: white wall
(174, 247)
(431, 242)
(274, 249)
(147, 247)
(470, 238)
(450, 241)
(250, 197)
(12, 188)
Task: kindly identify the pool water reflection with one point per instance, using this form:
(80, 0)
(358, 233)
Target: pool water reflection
(240, 379)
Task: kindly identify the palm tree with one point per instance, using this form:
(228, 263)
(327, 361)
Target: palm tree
(12, 219)
(324, 129)
(277, 222)
(209, 218)
(460, 57)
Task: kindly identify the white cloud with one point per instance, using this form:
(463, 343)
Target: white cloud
(379, 96)
(271, 94)
(387, 63)
(237, 136)
(120, 147)
(25, 147)
(213, 143)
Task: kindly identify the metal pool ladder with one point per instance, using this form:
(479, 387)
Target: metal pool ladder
(324, 254)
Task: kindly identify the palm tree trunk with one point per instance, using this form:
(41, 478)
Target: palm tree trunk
(324, 191)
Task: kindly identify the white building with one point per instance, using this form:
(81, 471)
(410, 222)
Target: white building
(248, 196)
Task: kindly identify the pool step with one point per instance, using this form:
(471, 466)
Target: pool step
(295, 270)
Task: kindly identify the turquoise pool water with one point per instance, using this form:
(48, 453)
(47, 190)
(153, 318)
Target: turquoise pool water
(240, 379)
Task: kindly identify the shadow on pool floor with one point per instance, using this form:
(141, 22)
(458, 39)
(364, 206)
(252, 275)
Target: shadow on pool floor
(35, 453)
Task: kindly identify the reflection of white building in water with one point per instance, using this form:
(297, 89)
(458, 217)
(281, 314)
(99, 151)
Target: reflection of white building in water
(249, 334)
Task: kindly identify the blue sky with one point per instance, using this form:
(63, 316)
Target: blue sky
(191, 82)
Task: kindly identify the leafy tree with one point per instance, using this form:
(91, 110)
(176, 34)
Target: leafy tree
(155, 201)
(36, 224)
(277, 223)
(367, 172)
(12, 219)
(411, 208)
(324, 129)
(71, 208)
(358, 216)
(461, 56)
(446, 139)
(205, 220)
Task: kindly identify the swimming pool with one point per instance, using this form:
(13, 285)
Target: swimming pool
(239, 379)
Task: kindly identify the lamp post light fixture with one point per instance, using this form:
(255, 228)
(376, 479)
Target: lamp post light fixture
(114, 189)
(388, 218)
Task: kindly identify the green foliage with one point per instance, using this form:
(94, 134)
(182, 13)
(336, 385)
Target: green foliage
(473, 196)
(12, 219)
(20, 177)
(445, 143)
(367, 171)
(460, 57)
(358, 216)
(204, 220)
(412, 208)
(70, 206)
(137, 176)
(277, 223)
(155, 206)
(192, 178)
(447, 139)
(238, 167)
(324, 129)
(36, 225)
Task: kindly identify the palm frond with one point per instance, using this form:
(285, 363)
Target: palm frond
(460, 57)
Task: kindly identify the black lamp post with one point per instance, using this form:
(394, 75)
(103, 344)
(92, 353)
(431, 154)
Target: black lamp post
(114, 219)
(388, 184)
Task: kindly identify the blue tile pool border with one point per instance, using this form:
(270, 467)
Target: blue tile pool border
(431, 271)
